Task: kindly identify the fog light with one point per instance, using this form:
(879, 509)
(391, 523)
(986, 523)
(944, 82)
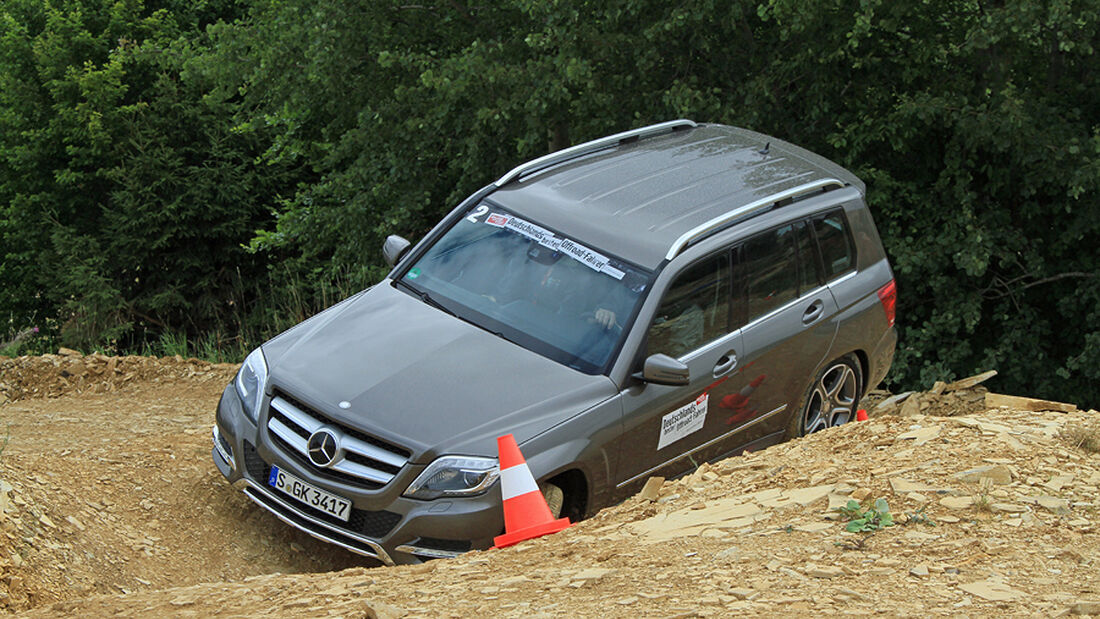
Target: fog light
(222, 445)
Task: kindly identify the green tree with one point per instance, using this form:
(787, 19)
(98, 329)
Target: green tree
(127, 194)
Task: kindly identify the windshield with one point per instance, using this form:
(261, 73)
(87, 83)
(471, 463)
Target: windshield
(541, 290)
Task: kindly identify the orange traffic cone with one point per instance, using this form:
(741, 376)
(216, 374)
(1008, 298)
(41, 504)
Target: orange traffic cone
(861, 415)
(526, 514)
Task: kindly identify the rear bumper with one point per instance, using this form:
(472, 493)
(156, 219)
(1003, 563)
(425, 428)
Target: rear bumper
(881, 358)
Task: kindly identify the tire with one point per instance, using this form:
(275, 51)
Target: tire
(555, 498)
(831, 400)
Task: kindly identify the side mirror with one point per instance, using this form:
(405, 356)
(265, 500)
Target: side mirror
(662, 369)
(395, 247)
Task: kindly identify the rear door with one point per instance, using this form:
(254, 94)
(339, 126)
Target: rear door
(788, 318)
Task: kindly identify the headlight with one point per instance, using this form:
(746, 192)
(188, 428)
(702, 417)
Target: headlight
(454, 476)
(250, 383)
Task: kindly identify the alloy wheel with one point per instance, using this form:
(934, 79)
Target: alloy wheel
(832, 400)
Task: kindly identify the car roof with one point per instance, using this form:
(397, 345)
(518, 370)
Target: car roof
(639, 199)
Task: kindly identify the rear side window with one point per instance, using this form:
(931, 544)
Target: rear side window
(695, 310)
(771, 270)
(835, 241)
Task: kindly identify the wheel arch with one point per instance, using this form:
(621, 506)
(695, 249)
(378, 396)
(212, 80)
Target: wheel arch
(864, 367)
(574, 485)
(576, 468)
(859, 357)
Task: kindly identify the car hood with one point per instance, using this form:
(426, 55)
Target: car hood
(424, 379)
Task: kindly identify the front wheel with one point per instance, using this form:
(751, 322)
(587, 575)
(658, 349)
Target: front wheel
(832, 398)
(555, 498)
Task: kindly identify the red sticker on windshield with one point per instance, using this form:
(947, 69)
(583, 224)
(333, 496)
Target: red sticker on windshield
(496, 219)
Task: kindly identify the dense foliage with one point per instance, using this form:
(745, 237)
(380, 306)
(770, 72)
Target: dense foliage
(198, 168)
(126, 194)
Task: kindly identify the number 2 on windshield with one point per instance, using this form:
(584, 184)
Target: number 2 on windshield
(478, 212)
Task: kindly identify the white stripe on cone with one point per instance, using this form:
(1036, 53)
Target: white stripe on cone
(517, 480)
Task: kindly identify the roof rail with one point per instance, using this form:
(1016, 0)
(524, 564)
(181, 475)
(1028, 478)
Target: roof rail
(589, 147)
(749, 209)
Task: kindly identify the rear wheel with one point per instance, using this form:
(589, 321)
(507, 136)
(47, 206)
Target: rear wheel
(832, 398)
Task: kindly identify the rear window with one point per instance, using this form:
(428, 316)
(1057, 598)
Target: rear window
(835, 241)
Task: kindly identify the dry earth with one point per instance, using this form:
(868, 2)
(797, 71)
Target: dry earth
(109, 505)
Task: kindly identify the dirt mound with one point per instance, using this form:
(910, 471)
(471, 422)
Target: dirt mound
(52, 376)
(995, 513)
(116, 493)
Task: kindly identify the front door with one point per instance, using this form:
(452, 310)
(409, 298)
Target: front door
(667, 428)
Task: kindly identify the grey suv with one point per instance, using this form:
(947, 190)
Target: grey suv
(625, 307)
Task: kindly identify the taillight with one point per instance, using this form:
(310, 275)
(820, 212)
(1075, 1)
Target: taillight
(888, 295)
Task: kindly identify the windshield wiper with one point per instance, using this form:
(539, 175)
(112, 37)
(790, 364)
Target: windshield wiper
(425, 297)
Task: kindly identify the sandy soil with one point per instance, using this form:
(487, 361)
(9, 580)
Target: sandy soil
(109, 504)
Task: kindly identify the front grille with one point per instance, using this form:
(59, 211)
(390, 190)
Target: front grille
(332, 474)
(367, 461)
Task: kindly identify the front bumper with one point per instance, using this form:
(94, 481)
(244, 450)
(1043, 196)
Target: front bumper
(384, 525)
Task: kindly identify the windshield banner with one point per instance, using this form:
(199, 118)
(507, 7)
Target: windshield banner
(536, 233)
(592, 259)
(584, 255)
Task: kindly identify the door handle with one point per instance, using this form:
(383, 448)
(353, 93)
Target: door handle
(813, 312)
(725, 363)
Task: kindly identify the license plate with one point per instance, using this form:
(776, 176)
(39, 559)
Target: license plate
(309, 494)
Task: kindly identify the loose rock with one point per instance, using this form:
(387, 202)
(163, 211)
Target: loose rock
(998, 474)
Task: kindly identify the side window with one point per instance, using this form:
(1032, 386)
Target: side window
(809, 272)
(771, 270)
(836, 243)
(694, 310)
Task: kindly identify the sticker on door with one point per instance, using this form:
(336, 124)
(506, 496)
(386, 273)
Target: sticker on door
(683, 421)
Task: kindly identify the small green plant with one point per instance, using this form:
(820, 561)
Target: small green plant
(983, 502)
(860, 520)
(919, 517)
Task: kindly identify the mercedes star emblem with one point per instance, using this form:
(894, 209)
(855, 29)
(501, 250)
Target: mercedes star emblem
(322, 448)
